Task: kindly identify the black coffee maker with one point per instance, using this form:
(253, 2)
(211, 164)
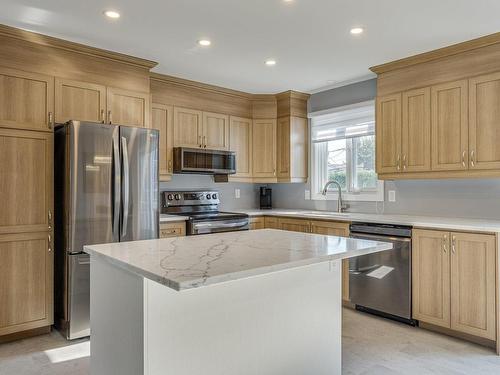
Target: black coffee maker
(266, 201)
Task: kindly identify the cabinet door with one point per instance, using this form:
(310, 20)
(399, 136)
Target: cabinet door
(431, 277)
(128, 107)
(175, 229)
(26, 279)
(26, 100)
(295, 225)
(79, 101)
(283, 150)
(25, 180)
(162, 120)
(331, 228)
(215, 131)
(264, 148)
(473, 284)
(449, 126)
(240, 141)
(271, 222)
(484, 120)
(257, 223)
(187, 127)
(388, 134)
(416, 146)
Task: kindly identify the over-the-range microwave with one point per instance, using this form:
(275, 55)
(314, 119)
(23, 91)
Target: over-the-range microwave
(202, 161)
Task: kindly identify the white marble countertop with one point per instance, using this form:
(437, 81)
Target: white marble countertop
(194, 261)
(476, 225)
(165, 218)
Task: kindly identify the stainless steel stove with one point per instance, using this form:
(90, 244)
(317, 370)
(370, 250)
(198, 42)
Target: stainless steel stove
(202, 208)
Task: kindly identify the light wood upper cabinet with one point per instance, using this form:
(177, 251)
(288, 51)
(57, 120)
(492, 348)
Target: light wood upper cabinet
(388, 130)
(215, 131)
(162, 120)
(126, 107)
(449, 126)
(264, 148)
(188, 127)
(26, 100)
(292, 155)
(484, 120)
(81, 101)
(431, 277)
(473, 258)
(416, 130)
(240, 141)
(26, 282)
(26, 172)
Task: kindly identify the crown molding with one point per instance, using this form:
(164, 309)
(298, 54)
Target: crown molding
(49, 41)
(454, 49)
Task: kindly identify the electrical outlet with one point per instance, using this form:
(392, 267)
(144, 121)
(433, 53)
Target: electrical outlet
(392, 195)
(307, 195)
(237, 193)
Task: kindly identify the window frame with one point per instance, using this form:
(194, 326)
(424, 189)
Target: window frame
(375, 195)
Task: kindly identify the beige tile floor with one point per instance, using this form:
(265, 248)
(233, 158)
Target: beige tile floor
(370, 346)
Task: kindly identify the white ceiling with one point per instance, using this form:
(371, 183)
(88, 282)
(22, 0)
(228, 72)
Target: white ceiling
(310, 39)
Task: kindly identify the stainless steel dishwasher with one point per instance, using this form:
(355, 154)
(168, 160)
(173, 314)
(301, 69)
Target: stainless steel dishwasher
(380, 283)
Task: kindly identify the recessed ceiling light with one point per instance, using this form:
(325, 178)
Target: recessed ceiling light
(112, 14)
(270, 62)
(356, 30)
(204, 42)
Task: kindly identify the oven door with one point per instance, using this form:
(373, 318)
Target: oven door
(201, 161)
(216, 226)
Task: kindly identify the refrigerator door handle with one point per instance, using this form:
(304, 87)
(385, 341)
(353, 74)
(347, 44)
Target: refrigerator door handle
(116, 190)
(125, 186)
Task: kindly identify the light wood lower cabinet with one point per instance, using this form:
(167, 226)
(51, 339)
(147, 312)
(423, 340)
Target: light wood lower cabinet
(295, 225)
(257, 223)
(454, 278)
(173, 229)
(162, 120)
(271, 222)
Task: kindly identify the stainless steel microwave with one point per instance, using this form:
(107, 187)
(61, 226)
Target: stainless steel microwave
(202, 161)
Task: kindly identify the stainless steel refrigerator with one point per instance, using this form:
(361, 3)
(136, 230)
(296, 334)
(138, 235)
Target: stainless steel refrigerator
(106, 190)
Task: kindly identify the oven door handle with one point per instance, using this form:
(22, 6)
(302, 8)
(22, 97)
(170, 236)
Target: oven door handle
(220, 225)
(379, 237)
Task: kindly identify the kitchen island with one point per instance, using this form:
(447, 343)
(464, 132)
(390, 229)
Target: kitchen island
(252, 302)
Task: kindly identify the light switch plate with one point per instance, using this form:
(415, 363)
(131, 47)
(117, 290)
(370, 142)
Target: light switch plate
(307, 195)
(392, 195)
(237, 193)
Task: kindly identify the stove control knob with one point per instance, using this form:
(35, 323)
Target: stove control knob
(170, 197)
(208, 196)
(214, 196)
(177, 196)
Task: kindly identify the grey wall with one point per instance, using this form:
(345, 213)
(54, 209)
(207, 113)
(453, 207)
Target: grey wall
(249, 192)
(345, 95)
(462, 198)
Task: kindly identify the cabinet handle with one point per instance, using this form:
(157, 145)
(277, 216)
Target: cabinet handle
(199, 141)
(204, 141)
(103, 120)
(404, 162)
(472, 163)
(453, 243)
(49, 217)
(49, 239)
(274, 172)
(170, 165)
(445, 242)
(463, 159)
(110, 121)
(51, 120)
(398, 163)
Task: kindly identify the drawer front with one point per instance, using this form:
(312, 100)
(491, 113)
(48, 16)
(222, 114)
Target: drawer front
(172, 230)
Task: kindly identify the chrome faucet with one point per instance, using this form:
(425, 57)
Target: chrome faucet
(340, 204)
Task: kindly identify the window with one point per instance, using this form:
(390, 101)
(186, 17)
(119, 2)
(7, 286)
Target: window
(343, 149)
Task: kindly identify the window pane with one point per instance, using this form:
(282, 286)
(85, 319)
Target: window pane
(364, 177)
(337, 161)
